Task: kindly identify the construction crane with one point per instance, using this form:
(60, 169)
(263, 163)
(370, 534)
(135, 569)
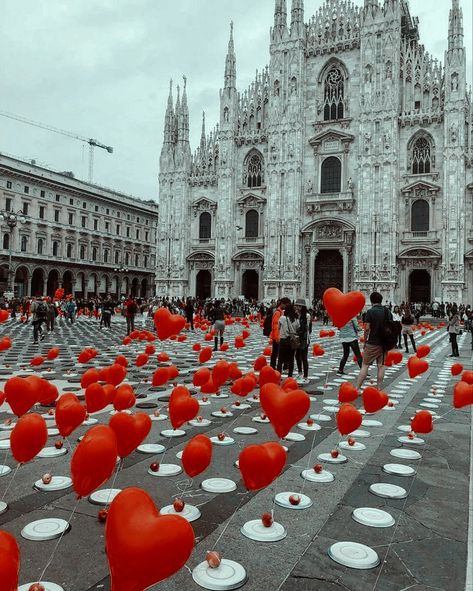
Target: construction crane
(91, 142)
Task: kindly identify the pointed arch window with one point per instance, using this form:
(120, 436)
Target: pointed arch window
(205, 226)
(420, 216)
(252, 224)
(253, 176)
(334, 95)
(421, 156)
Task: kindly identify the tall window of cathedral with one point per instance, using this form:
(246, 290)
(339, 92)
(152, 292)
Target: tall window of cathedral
(421, 156)
(258, 118)
(40, 245)
(277, 88)
(252, 224)
(55, 248)
(205, 226)
(254, 170)
(331, 175)
(420, 216)
(334, 95)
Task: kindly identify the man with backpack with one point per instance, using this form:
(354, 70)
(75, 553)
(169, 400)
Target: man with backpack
(380, 336)
(39, 309)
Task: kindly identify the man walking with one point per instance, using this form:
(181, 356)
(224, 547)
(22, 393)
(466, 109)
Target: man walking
(130, 311)
(39, 309)
(374, 350)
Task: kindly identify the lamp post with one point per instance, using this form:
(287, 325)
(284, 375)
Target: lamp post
(121, 269)
(11, 220)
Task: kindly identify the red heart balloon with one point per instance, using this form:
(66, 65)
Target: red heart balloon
(374, 400)
(142, 359)
(343, 307)
(116, 373)
(290, 384)
(392, 358)
(268, 375)
(69, 414)
(90, 376)
(94, 459)
(144, 547)
(422, 422)
(467, 377)
(348, 419)
(283, 409)
(201, 376)
(182, 407)
(220, 373)
(261, 464)
(9, 561)
(130, 431)
(462, 394)
(197, 455)
(95, 398)
(45, 392)
(259, 363)
(205, 354)
(347, 392)
(416, 366)
(160, 376)
(28, 437)
(124, 397)
(456, 369)
(167, 324)
(422, 351)
(20, 395)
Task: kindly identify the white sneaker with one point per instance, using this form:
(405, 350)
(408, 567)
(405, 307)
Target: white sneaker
(305, 381)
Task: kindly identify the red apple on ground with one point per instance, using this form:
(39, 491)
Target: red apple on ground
(154, 467)
(351, 441)
(221, 436)
(214, 559)
(310, 422)
(318, 468)
(294, 499)
(267, 519)
(334, 453)
(102, 515)
(36, 587)
(223, 410)
(237, 403)
(46, 478)
(178, 505)
(59, 444)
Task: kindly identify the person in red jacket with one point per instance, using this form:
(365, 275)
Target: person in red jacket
(130, 311)
(274, 336)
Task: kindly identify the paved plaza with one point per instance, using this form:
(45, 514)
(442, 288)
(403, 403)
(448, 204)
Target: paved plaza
(424, 548)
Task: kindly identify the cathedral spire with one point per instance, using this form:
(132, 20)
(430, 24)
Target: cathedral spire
(280, 17)
(230, 63)
(184, 120)
(297, 18)
(169, 119)
(455, 26)
(203, 139)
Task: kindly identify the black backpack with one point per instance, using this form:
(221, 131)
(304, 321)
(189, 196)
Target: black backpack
(268, 321)
(389, 332)
(42, 310)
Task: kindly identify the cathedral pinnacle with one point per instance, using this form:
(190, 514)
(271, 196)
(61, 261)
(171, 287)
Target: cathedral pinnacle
(455, 26)
(230, 62)
(280, 17)
(297, 17)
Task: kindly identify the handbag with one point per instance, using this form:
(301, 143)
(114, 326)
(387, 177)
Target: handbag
(294, 340)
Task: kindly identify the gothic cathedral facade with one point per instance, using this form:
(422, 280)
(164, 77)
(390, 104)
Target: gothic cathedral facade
(347, 162)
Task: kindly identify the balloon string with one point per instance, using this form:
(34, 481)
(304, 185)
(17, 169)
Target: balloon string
(229, 521)
(117, 470)
(69, 444)
(66, 529)
(308, 462)
(11, 481)
(168, 442)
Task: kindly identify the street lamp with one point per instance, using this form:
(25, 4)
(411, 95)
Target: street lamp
(11, 220)
(121, 269)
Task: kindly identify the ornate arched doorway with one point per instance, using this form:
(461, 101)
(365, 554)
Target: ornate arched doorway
(134, 288)
(420, 286)
(250, 284)
(328, 272)
(144, 288)
(37, 282)
(203, 284)
(53, 282)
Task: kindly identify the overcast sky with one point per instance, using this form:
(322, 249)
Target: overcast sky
(101, 68)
